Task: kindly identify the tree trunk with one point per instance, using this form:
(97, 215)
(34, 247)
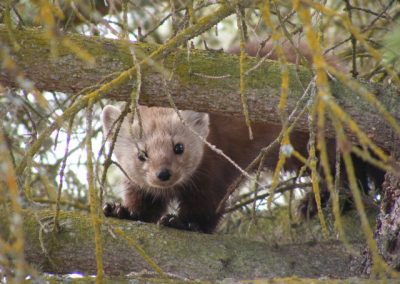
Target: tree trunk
(387, 233)
(195, 84)
(187, 254)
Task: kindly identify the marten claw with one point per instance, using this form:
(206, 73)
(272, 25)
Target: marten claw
(173, 221)
(116, 210)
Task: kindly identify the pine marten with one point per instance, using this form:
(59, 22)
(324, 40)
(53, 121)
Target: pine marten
(169, 162)
(165, 161)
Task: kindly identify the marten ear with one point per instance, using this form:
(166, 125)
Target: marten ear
(109, 116)
(199, 121)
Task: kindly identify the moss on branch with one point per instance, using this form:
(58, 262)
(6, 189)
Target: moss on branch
(186, 254)
(205, 81)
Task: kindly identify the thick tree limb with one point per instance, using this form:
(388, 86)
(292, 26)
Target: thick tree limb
(192, 85)
(187, 254)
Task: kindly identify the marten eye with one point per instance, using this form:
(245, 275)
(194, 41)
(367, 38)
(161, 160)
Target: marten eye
(142, 156)
(178, 148)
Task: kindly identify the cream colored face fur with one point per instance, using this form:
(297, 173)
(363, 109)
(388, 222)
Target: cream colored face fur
(162, 131)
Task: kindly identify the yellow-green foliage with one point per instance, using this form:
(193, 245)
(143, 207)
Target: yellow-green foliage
(36, 30)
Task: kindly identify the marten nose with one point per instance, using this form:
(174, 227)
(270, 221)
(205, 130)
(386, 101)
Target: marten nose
(164, 175)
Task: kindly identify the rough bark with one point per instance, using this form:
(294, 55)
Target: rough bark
(69, 74)
(387, 233)
(187, 254)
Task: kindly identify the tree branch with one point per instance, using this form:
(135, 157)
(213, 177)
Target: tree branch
(187, 254)
(190, 90)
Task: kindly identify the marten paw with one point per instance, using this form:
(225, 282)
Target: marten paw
(116, 210)
(173, 221)
(307, 208)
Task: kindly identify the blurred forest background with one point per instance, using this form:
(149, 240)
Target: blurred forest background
(363, 37)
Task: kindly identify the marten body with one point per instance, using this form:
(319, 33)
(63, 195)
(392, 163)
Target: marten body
(198, 177)
(168, 162)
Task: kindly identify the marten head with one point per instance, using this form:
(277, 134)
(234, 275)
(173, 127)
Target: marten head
(158, 151)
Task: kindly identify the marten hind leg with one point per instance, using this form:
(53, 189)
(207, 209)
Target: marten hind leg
(363, 172)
